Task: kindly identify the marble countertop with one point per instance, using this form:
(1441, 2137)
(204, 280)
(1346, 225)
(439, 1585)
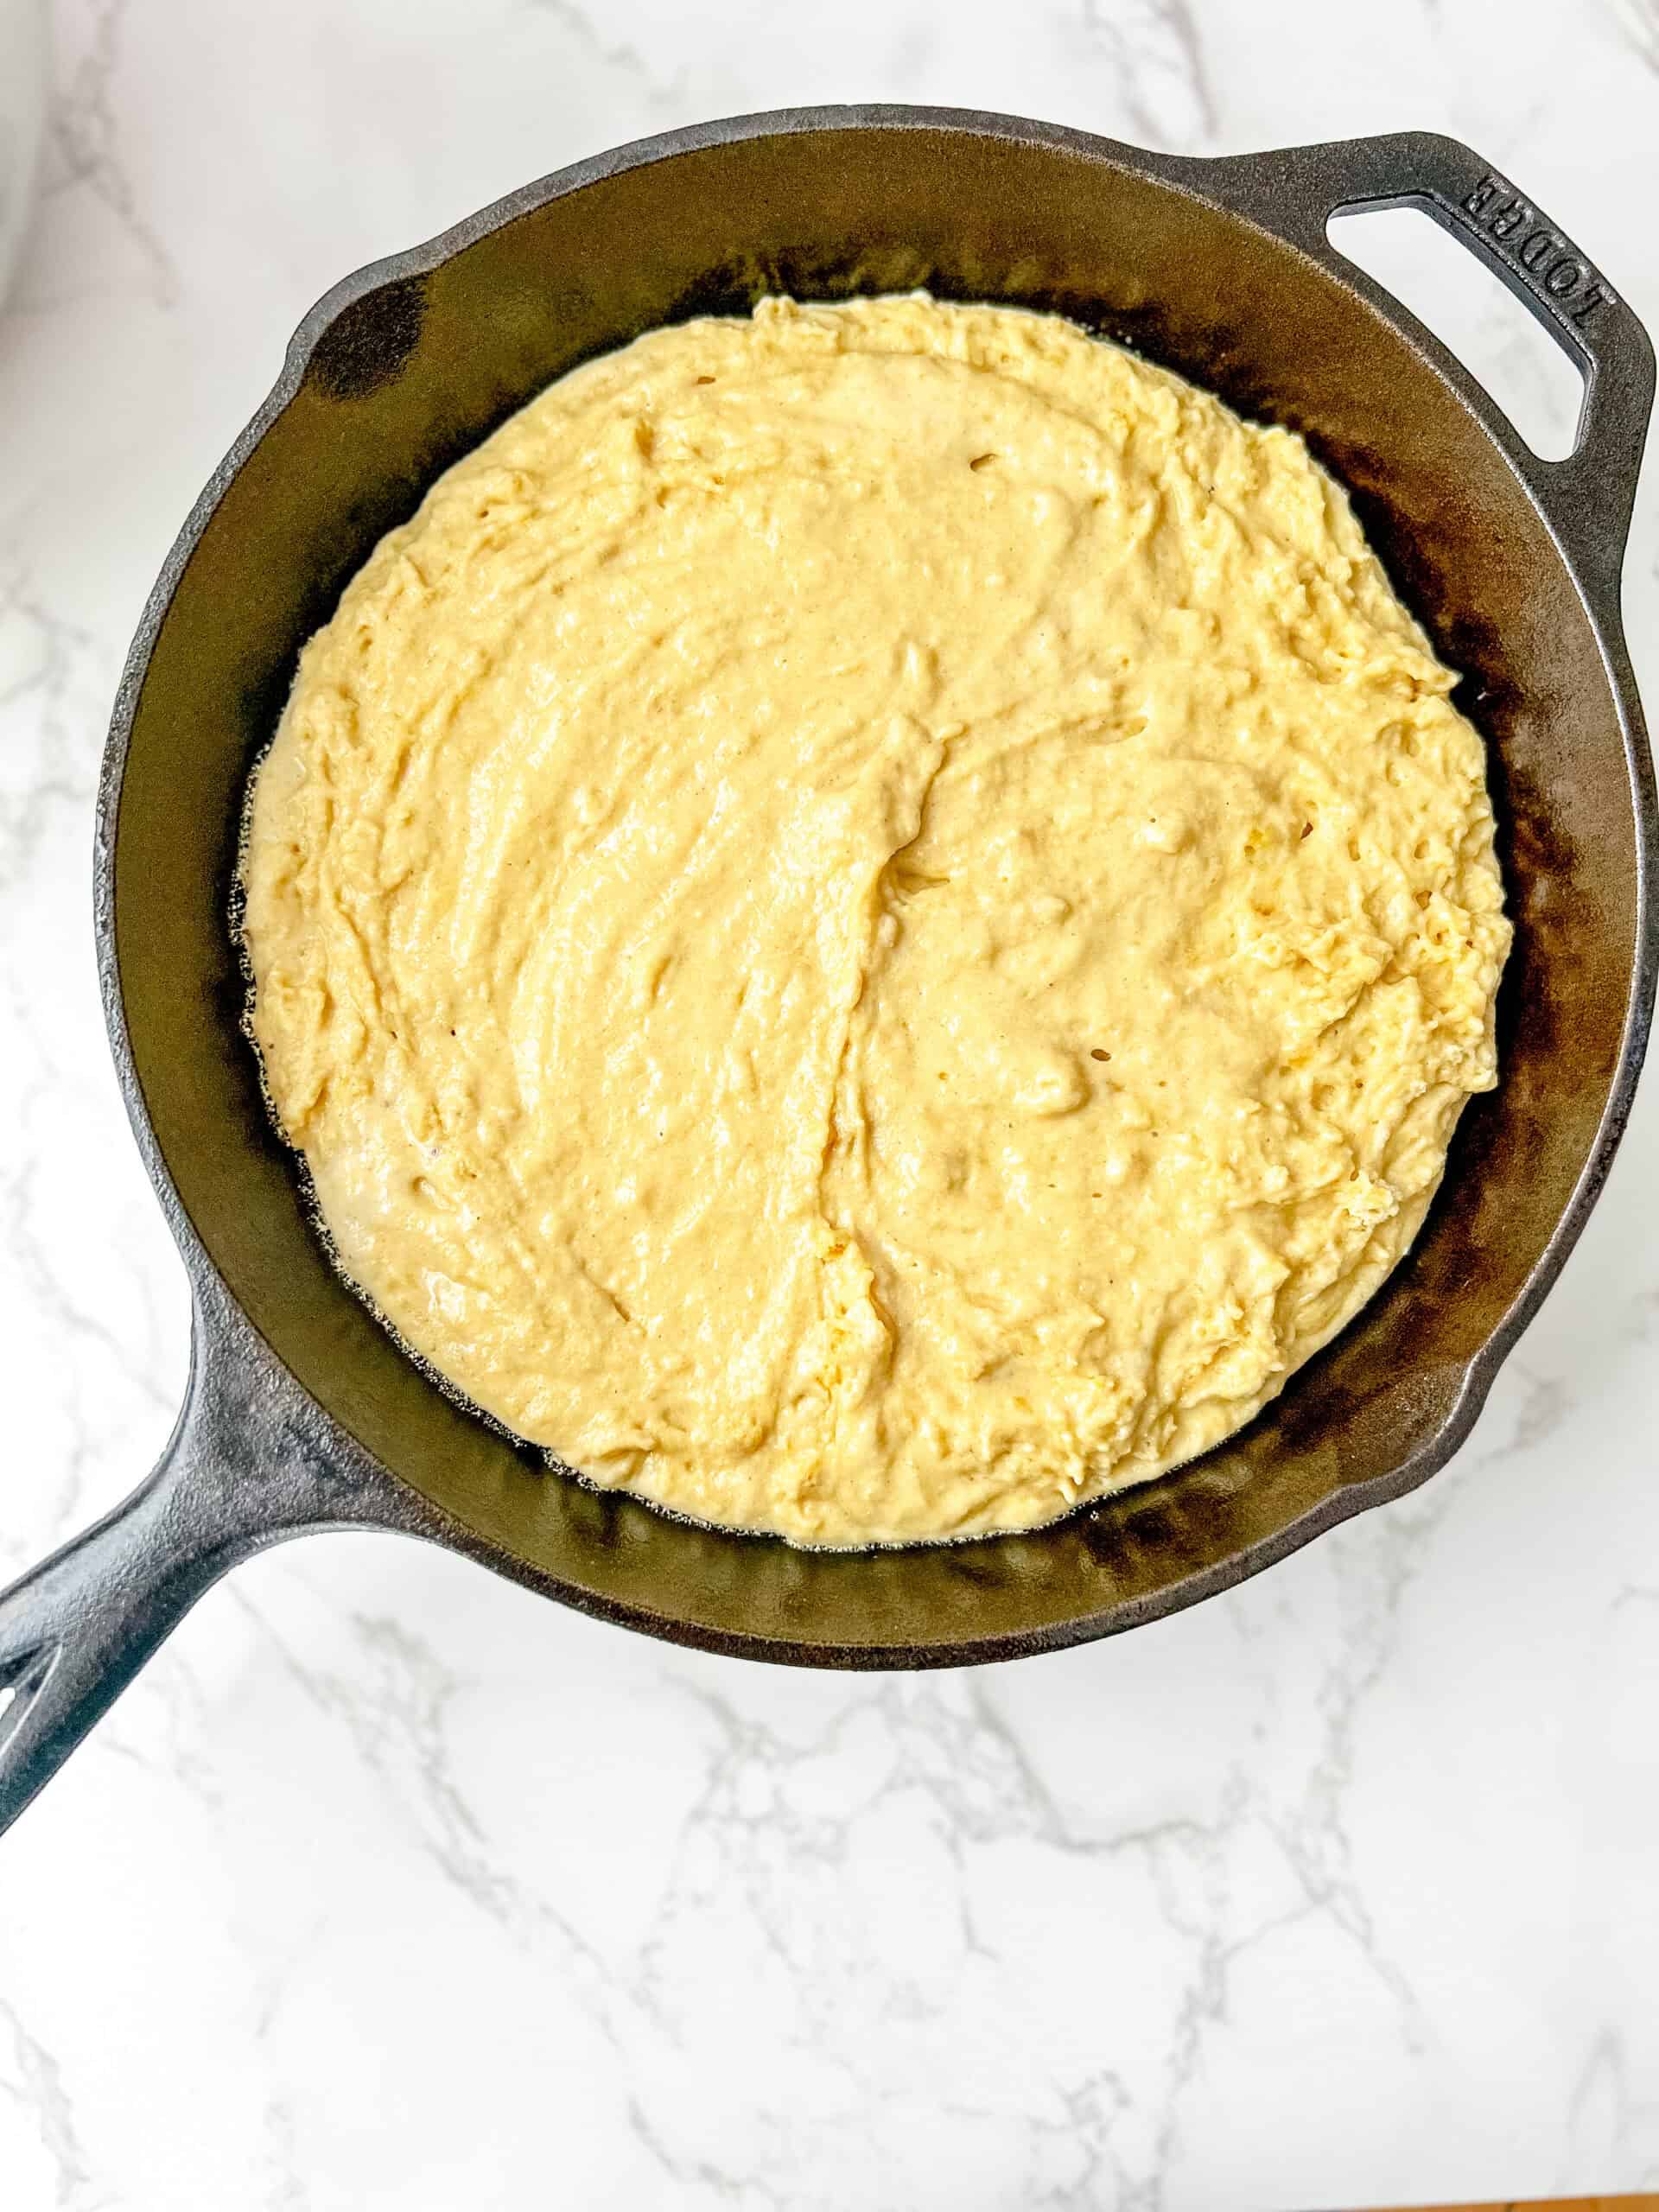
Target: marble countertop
(389, 1884)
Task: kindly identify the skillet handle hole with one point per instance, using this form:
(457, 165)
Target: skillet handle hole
(20, 1684)
(1472, 312)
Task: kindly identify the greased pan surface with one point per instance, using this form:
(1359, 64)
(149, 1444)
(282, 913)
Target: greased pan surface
(302, 1414)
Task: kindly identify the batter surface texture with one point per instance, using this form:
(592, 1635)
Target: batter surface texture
(874, 921)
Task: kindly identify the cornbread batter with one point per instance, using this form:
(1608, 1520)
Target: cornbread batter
(874, 921)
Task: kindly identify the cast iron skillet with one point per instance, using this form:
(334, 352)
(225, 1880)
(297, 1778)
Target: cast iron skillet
(300, 1412)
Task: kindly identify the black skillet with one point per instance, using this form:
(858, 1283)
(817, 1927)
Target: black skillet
(300, 1412)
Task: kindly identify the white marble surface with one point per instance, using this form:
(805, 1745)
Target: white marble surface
(392, 1885)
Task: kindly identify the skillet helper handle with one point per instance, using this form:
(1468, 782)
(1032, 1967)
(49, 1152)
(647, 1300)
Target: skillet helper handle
(1587, 497)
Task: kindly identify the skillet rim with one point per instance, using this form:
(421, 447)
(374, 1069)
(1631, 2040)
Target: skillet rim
(389, 1500)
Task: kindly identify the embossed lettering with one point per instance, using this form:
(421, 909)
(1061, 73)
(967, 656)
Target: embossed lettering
(1595, 297)
(1503, 215)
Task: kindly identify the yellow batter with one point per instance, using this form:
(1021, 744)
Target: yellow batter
(874, 921)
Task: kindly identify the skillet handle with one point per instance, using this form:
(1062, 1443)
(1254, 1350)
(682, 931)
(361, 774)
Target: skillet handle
(244, 1467)
(1587, 498)
(75, 1629)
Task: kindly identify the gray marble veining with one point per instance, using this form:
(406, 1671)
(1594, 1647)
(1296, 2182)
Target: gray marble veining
(389, 1885)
